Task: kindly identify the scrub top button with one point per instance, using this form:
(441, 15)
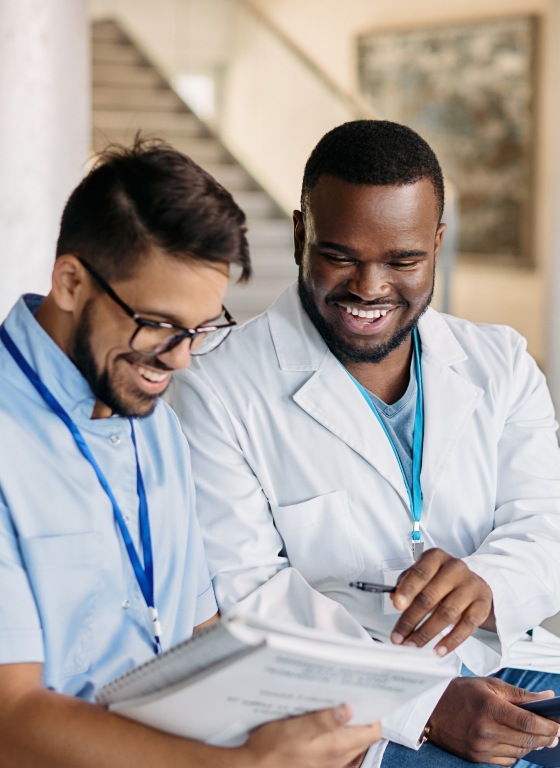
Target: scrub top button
(125, 604)
(115, 439)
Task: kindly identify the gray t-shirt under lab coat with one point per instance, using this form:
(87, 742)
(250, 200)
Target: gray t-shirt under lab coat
(399, 422)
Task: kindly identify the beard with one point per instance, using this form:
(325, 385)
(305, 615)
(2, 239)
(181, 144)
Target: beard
(112, 390)
(343, 349)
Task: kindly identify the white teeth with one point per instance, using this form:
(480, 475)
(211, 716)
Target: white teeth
(151, 375)
(370, 314)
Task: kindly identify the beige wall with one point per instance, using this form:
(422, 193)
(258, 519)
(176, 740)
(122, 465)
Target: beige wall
(327, 31)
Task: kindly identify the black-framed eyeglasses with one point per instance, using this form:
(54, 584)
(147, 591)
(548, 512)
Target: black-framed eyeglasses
(153, 338)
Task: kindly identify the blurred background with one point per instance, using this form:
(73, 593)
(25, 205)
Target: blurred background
(247, 87)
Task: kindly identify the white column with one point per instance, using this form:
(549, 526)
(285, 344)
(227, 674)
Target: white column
(44, 133)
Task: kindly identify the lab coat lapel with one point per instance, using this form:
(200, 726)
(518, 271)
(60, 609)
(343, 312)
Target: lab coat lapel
(331, 398)
(449, 401)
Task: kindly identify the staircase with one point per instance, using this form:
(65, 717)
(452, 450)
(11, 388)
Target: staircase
(129, 94)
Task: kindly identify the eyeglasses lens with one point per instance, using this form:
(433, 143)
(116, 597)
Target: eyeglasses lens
(156, 341)
(206, 342)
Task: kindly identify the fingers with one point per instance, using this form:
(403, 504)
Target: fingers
(507, 754)
(458, 609)
(357, 738)
(516, 695)
(525, 723)
(324, 721)
(329, 720)
(516, 745)
(452, 595)
(417, 577)
(327, 730)
(472, 618)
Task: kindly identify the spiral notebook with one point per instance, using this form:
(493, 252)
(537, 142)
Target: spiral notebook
(241, 672)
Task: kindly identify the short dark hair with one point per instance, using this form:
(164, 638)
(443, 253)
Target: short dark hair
(376, 152)
(145, 196)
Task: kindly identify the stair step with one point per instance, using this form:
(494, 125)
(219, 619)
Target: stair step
(168, 123)
(231, 176)
(137, 98)
(107, 31)
(274, 262)
(256, 287)
(270, 232)
(256, 204)
(130, 95)
(286, 271)
(134, 75)
(115, 53)
(200, 150)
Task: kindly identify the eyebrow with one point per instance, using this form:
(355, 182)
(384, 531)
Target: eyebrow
(405, 254)
(347, 251)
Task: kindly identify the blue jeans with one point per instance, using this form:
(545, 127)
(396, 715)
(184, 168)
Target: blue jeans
(429, 756)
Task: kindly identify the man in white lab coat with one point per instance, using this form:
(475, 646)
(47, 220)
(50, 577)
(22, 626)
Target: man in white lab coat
(351, 426)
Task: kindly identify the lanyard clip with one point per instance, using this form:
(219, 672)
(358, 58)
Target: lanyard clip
(417, 549)
(156, 625)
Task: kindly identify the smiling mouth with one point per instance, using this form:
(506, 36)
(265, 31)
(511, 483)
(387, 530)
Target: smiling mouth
(365, 320)
(150, 380)
(154, 376)
(370, 314)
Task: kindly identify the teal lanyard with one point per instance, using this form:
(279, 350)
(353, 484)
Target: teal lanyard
(414, 493)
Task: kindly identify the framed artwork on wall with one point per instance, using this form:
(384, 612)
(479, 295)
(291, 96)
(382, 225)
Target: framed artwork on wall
(469, 90)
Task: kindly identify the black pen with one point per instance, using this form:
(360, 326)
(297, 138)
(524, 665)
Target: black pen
(366, 586)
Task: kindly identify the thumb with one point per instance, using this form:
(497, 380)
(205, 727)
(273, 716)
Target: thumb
(516, 695)
(325, 720)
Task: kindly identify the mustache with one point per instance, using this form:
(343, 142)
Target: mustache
(149, 362)
(356, 300)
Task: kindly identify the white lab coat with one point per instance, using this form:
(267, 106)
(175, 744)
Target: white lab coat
(293, 469)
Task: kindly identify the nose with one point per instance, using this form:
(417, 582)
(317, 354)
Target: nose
(369, 281)
(179, 357)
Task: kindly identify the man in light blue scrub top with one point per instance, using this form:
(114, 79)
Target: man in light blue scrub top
(101, 559)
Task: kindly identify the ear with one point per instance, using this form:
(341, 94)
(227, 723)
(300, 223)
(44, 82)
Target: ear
(439, 238)
(299, 236)
(71, 284)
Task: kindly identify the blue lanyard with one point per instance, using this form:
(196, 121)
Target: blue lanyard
(144, 576)
(414, 493)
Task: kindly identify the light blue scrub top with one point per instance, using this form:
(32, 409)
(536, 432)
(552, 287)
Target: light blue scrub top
(68, 594)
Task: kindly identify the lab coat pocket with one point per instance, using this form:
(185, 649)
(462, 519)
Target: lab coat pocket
(65, 575)
(320, 538)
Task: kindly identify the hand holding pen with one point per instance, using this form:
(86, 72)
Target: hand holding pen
(438, 590)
